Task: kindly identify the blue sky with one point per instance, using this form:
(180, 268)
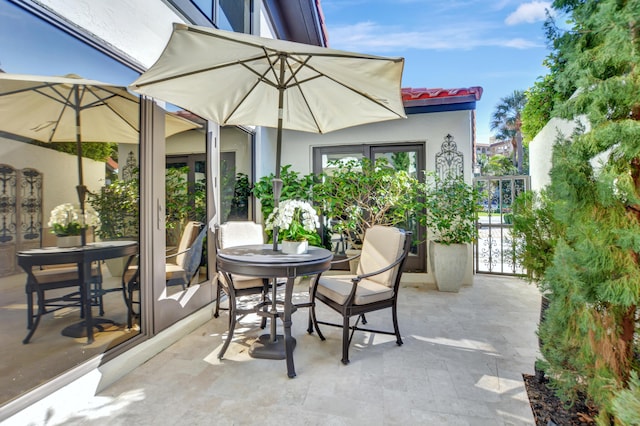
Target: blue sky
(497, 45)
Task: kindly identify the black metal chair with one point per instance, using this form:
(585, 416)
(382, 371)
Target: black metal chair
(374, 287)
(45, 279)
(231, 234)
(188, 258)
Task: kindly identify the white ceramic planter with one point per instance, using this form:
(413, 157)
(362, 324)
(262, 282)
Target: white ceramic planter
(295, 247)
(69, 241)
(448, 265)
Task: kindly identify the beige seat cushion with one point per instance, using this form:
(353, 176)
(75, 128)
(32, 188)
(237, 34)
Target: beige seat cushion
(242, 282)
(382, 246)
(66, 273)
(338, 288)
(174, 272)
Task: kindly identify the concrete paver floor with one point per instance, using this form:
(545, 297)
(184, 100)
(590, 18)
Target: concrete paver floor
(461, 364)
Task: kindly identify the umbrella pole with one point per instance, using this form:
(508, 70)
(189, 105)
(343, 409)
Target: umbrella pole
(277, 182)
(81, 189)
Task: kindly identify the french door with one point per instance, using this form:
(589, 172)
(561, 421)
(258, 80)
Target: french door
(409, 157)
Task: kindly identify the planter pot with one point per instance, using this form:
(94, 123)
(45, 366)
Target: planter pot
(448, 264)
(116, 266)
(69, 241)
(295, 247)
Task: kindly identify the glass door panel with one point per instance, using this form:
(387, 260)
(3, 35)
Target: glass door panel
(408, 157)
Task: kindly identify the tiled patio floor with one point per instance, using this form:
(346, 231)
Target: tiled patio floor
(461, 364)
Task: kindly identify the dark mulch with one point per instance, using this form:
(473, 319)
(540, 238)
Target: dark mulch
(548, 410)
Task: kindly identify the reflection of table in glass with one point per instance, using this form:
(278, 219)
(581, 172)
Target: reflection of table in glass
(83, 257)
(262, 261)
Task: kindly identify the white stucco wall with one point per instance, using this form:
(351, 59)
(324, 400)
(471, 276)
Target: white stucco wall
(541, 149)
(59, 172)
(138, 28)
(431, 129)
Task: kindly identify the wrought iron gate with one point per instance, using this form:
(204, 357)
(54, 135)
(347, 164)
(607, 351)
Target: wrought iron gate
(494, 252)
(20, 214)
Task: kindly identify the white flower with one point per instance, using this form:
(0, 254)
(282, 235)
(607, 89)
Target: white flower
(66, 219)
(291, 213)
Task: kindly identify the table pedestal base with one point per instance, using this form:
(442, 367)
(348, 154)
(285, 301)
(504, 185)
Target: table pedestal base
(265, 349)
(79, 329)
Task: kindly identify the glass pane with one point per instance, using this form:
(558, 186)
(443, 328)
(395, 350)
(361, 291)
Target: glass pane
(186, 208)
(206, 6)
(231, 15)
(236, 159)
(40, 177)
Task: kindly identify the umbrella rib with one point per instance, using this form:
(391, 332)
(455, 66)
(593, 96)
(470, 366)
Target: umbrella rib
(359, 92)
(103, 100)
(203, 70)
(238, 104)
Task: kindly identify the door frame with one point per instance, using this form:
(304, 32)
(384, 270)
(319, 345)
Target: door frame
(416, 262)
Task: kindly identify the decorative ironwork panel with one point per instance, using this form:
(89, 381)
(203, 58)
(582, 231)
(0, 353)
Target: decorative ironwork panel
(494, 250)
(130, 169)
(449, 161)
(8, 204)
(30, 205)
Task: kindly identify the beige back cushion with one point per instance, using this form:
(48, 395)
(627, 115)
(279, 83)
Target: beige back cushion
(382, 246)
(188, 236)
(240, 233)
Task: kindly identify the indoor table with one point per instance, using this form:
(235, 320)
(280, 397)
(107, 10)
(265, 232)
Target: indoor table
(83, 256)
(262, 261)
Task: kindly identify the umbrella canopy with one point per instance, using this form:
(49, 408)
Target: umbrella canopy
(73, 109)
(240, 79)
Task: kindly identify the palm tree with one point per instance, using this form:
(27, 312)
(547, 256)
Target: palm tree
(506, 120)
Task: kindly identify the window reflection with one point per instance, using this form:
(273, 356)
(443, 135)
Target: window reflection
(45, 177)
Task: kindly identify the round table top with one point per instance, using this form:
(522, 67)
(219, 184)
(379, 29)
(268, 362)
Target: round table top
(92, 251)
(260, 260)
(263, 253)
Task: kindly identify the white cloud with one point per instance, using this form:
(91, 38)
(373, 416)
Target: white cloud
(529, 13)
(371, 37)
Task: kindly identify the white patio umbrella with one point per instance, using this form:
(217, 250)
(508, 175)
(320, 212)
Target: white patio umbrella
(240, 79)
(73, 109)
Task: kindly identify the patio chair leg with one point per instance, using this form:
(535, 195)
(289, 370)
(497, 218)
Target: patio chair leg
(232, 326)
(345, 340)
(216, 313)
(313, 321)
(395, 325)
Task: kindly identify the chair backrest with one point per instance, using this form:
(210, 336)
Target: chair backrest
(239, 233)
(188, 236)
(194, 255)
(381, 247)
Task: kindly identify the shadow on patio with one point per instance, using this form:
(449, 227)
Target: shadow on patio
(461, 363)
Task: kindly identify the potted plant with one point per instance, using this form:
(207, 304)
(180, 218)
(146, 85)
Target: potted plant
(451, 210)
(297, 223)
(358, 194)
(67, 222)
(117, 204)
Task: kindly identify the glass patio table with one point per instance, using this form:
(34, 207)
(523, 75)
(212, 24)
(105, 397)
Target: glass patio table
(262, 261)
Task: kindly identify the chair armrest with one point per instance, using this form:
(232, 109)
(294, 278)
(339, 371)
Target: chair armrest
(347, 259)
(169, 256)
(359, 278)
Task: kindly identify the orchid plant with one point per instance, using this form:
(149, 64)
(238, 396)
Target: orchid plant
(66, 219)
(296, 221)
